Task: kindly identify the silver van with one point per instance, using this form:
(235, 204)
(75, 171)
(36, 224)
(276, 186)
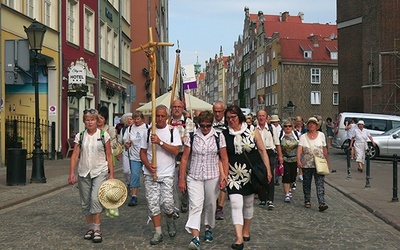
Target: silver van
(376, 124)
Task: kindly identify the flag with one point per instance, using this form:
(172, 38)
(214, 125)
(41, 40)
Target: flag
(188, 77)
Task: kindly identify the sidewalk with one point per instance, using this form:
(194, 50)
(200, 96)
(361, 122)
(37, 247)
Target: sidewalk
(376, 199)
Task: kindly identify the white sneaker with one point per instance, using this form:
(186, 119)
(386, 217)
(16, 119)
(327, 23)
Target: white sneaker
(287, 198)
(300, 177)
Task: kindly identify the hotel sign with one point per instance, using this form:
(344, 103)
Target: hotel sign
(77, 75)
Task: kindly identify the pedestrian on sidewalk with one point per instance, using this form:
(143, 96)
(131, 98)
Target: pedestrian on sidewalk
(92, 154)
(103, 125)
(204, 178)
(312, 143)
(360, 140)
(159, 179)
(242, 139)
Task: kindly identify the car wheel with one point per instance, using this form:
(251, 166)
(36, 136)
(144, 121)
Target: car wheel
(374, 151)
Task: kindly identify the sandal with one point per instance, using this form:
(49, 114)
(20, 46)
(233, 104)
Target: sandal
(88, 235)
(97, 237)
(307, 204)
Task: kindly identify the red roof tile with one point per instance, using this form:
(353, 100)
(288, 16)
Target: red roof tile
(292, 50)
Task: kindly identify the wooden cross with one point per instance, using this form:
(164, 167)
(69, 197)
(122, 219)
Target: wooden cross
(149, 48)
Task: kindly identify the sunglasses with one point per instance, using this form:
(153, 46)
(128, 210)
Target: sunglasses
(287, 126)
(91, 111)
(205, 125)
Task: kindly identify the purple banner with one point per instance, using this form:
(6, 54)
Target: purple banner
(190, 85)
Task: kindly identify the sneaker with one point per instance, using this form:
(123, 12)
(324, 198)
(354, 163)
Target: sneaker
(270, 205)
(219, 214)
(290, 194)
(208, 236)
(300, 177)
(262, 204)
(133, 201)
(157, 238)
(294, 186)
(194, 244)
(287, 198)
(322, 207)
(171, 228)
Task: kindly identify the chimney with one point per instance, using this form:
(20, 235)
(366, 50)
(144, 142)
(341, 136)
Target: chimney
(314, 39)
(301, 15)
(285, 16)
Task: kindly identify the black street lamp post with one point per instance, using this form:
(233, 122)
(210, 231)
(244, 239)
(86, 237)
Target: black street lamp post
(35, 33)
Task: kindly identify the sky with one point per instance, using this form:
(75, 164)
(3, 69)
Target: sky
(202, 26)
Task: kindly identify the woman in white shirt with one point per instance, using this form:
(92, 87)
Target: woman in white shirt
(205, 176)
(92, 154)
(360, 139)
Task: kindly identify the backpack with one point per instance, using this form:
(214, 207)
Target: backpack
(191, 135)
(270, 129)
(82, 133)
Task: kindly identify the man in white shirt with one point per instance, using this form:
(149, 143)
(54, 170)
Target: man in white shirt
(184, 126)
(219, 125)
(159, 178)
(270, 137)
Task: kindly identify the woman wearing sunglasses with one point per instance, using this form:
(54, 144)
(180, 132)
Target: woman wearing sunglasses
(289, 140)
(205, 176)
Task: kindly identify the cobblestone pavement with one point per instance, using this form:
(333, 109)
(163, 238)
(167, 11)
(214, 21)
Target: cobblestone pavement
(54, 221)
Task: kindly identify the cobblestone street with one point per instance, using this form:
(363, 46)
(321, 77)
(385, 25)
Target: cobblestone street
(54, 221)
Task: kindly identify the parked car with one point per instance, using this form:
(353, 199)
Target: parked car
(387, 144)
(376, 124)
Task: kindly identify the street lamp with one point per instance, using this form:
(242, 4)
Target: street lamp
(35, 33)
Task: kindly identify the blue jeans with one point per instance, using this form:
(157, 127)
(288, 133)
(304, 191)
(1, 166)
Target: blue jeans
(136, 168)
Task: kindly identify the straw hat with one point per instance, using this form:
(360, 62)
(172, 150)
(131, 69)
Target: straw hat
(314, 120)
(112, 193)
(274, 118)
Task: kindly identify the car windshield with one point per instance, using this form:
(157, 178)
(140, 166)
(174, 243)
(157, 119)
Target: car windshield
(392, 131)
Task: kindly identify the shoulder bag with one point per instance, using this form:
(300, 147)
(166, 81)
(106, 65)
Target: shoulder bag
(321, 164)
(258, 174)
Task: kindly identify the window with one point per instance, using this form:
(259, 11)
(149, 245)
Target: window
(30, 8)
(335, 76)
(10, 3)
(89, 38)
(334, 55)
(73, 21)
(47, 12)
(315, 75)
(335, 98)
(315, 97)
(307, 54)
(273, 54)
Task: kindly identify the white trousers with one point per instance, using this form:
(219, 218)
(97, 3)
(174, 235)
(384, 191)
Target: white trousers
(242, 207)
(202, 198)
(126, 168)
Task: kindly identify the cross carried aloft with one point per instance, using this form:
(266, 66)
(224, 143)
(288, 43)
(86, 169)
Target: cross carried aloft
(149, 48)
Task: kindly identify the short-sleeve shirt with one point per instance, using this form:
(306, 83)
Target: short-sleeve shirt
(135, 134)
(315, 147)
(289, 145)
(92, 154)
(204, 157)
(165, 160)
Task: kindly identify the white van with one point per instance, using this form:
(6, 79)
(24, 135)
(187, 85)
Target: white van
(376, 124)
